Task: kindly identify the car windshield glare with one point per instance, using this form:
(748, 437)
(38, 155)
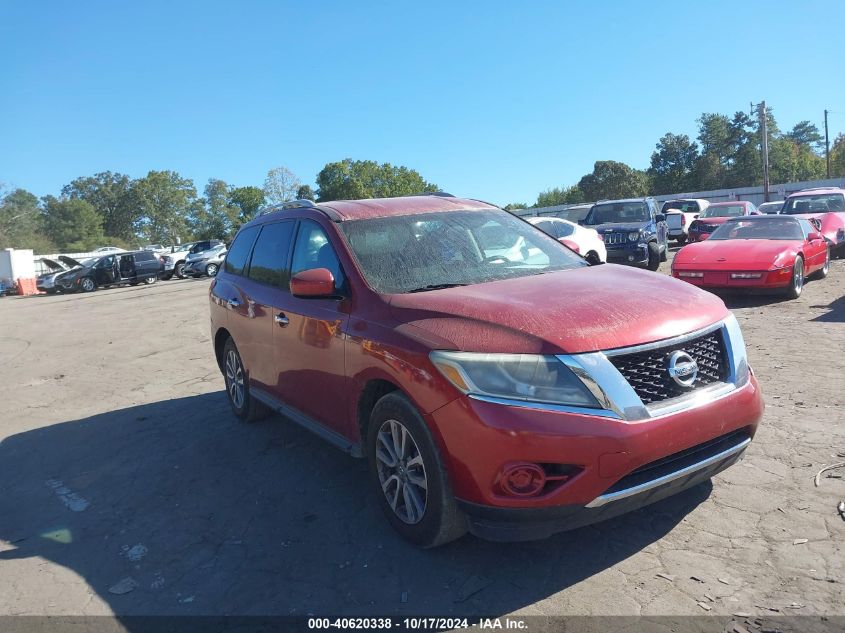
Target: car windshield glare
(684, 206)
(413, 253)
(822, 203)
(727, 211)
(613, 212)
(768, 229)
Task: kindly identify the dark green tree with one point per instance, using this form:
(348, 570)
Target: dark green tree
(164, 201)
(248, 200)
(513, 206)
(837, 157)
(806, 134)
(612, 180)
(215, 217)
(673, 165)
(111, 196)
(359, 179)
(559, 195)
(305, 192)
(72, 224)
(21, 222)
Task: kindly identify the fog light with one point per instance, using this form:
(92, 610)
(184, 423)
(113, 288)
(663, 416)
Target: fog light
(522, 479)
(630, 258)
(686, 273)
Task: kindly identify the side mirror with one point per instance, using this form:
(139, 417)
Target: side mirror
(814, 235)
(313, 283)
(660, 217)
(695, 217)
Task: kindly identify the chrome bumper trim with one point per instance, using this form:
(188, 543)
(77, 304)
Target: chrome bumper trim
(683, 472)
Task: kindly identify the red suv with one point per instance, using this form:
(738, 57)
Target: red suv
(496, 382)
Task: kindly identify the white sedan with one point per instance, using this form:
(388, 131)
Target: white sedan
(586, 242)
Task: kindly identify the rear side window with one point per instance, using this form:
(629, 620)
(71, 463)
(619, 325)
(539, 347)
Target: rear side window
(238, 254)
(269, 264)
(145, 256)
(313, 250)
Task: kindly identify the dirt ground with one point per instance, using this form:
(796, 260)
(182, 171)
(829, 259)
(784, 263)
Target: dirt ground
(127, 487)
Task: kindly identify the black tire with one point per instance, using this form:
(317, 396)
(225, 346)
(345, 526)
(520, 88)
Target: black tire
(796, 284)
(593, 258)
(654, 256)
(681, 240)
(211, 270)
(150, 280)
(50, 291)
(823, 272)
(178, 270)
(247, 408)
(87, 284)
(664, 254)
(167, 277)
(441, 521)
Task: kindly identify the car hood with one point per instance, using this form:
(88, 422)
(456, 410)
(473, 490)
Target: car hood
(616, 227)
(53, 265)
(573, 311)
(69, 261)
(736, 254)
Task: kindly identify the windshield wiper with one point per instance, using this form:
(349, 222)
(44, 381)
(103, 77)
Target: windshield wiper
(434, 287)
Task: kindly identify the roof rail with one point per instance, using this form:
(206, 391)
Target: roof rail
(290, 204)
(440, 194)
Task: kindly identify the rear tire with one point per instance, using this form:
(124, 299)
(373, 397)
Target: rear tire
(178, 270)
(796, 285)
(654, 256)
(427, 515)
(682, 240)
(150, 280)
(244, 406)
(167, 277)
(593, 258)
(211, 270)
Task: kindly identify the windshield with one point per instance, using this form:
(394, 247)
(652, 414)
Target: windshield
(618, 212)
(814, 204)
(769, 229)
(726, 211)
(685, 206)
(413, 253)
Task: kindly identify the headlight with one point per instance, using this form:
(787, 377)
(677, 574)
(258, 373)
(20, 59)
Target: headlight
(525, 377)
(633, 236)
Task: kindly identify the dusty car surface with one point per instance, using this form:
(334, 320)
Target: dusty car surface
(489, 394)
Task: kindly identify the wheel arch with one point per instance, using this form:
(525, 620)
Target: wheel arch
(220, 339)
(373, 390)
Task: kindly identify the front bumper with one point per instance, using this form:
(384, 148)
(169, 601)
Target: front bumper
(631, 253)
(769, 280)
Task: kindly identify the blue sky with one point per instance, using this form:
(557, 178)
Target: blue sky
(495, 100)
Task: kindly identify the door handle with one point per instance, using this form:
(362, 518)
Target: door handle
(233, 303)
(281, 319)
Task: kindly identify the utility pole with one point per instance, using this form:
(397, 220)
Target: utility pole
(826, 145)
(764, 131)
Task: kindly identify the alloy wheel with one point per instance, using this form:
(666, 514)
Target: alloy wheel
(798, 276)
(401, 471)
(87, 285)
(235, 379)
(211, 270)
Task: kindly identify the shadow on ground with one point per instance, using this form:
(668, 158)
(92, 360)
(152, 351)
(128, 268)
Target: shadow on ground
(208, 516)
(835, 311)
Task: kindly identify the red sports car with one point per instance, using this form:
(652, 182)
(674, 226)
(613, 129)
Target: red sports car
(826, 209)
(717, 214)
(764, 252)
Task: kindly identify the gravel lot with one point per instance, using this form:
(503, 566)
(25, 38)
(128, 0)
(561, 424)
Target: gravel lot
(127, 487)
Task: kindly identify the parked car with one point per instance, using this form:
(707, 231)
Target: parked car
(826, 208)
(46, 282)
(634, 231)
(770, 207)
(154, 247)
(680, 214)
(205, 262)
(174, 261)
(111, 270)
(508, 399)
(717, 214)
(765, 252)
(586, 242)
(109, 249)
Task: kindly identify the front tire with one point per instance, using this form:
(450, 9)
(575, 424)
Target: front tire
(150, 280)
(179, 270)
(654, 256)
(797, 283)
(211, 270)
(822, 273)
(87, 285)
(244, 406)
(408, 475)
(681, 240)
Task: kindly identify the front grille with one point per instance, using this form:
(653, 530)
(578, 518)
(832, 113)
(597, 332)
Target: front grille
(615, 238)
(680, 460)
(647, 372)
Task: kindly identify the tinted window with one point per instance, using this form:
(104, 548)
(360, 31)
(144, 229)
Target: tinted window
(610, 212)
(238, 254)
(270, 255)
(685, 206)
(313, 250)
(821, 203)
